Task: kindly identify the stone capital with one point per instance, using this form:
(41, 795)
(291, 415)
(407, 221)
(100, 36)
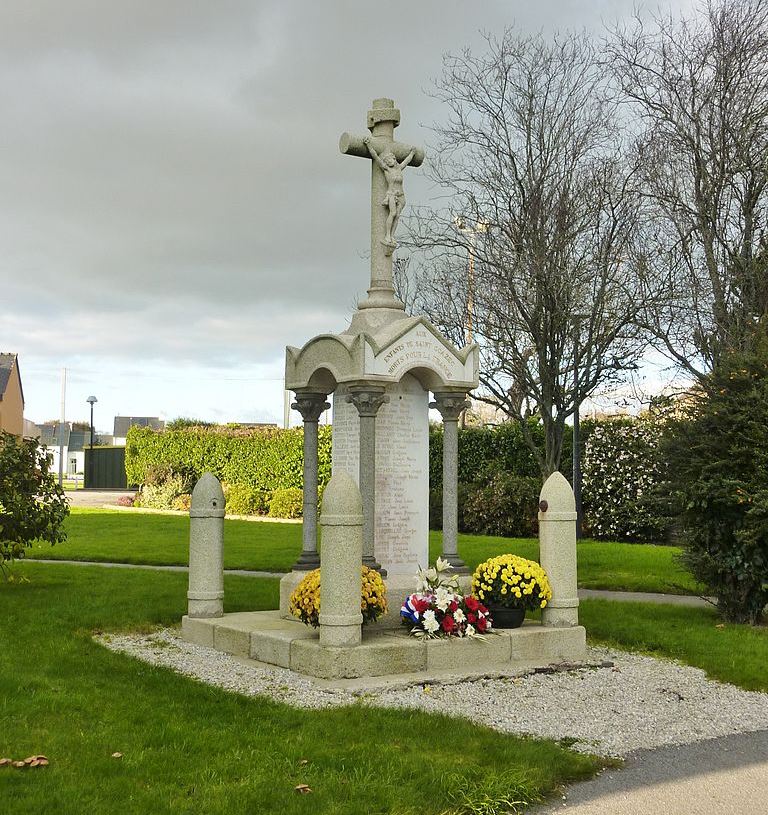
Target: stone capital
(450, 405)
(311, 405)
(367, 399)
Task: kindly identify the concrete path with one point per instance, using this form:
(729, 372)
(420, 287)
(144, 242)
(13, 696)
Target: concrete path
(647, 597)
(96, 498)
(727, 776)
(152, 566)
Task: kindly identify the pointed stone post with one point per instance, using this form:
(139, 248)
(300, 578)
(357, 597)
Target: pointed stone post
(311, 406)
(206, 549)
(340, 575)
(368, 399)
(450, 406)
(557, 550)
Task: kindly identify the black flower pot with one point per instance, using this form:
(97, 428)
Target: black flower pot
(504, 617)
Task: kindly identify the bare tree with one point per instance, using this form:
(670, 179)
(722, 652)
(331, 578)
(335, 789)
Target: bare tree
(542, 203)
(699, 92)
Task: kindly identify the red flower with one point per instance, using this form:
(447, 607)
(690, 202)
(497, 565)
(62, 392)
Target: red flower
(453, 606)
(472, 617)
(481, 625)
(472, 603)
(419, 603)
(448, 624)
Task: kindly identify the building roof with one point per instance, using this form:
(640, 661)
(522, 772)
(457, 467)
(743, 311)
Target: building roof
(7, 364)
(122, 423)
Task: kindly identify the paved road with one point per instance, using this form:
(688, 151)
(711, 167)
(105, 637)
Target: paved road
(96, 498)
(726, 776)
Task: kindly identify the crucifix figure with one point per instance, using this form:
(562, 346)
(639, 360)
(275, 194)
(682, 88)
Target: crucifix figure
(388, 160)
(394, 200)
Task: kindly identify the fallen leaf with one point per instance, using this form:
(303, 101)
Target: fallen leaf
(303, 789)
(720, 625)
(304, 761)
(117, 755)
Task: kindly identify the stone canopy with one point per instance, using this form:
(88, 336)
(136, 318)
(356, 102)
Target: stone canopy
(382, 355)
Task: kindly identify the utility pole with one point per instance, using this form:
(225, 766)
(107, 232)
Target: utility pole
(61, 424)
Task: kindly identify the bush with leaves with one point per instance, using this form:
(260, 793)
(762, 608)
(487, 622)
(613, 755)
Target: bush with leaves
(287, 503)
(164, 494)
(32, 504)
(718, 467)
(622, 470)
(506, 505)
(245, 500)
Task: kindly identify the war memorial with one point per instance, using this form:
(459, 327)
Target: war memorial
(379, 374)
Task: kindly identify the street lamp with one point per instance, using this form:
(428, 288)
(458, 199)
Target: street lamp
(480, 227)
(577, 320)
(91, 401)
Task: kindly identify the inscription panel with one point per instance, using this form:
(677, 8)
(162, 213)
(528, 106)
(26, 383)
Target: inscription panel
(402, 471)
(419, 348)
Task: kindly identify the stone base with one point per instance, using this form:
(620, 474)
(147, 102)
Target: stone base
(398, 588)
(267, 637)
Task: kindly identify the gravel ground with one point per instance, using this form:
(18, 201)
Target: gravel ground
(639, 703)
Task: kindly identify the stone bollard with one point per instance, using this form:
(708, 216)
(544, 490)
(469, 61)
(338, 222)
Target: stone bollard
(557, 550)
(341, 582)
(206, 549)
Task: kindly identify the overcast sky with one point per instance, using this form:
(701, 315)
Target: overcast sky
(174, 209)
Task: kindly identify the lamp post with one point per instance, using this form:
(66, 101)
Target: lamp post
(91, 401)
(577, 320)
(480, 227)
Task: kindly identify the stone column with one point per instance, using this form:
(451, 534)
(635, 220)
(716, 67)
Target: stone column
(368, 399)
(557, 550)
(206, 549)
(451, 406)
(340, 577)
(311, 405)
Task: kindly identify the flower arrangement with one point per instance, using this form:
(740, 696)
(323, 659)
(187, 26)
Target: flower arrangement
(305, 600)
(438, 609)
(512, 581)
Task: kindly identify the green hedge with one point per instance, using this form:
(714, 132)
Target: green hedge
(265, 459)
(485, 451)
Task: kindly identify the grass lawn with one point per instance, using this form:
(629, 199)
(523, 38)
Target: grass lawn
(731, 653)
(189, 748)
(103, 535)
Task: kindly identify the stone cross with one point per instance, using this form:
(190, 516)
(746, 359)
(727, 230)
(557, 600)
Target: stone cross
(388, 160)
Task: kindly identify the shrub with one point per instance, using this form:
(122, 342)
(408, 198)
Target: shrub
(164, 494)
(718, 465)
(507, 505)
(125, 501)
(244, 500)
(182, 503)
(622, 470)
(32, 504)
(287, 503)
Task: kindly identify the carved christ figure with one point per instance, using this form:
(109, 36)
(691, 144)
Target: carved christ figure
(394, 199)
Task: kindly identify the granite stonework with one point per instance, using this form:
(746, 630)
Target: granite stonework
(266, 637)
